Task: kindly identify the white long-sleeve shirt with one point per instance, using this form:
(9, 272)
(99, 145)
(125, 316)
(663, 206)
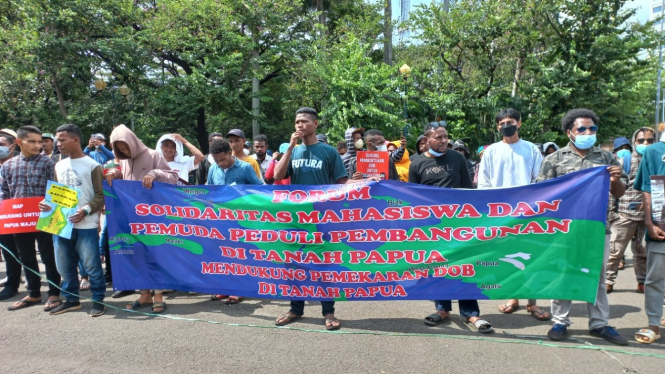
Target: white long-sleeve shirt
(509, 165)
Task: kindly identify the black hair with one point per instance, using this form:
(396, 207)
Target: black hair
(645, 130)
(220, 146)
(71, 130)
(10, 139)
(372, 132)
(570, 117)
(214, 135)
(432, 129)
(307, 110)
(23, 131)
(341, 145)
(508, 113)
(261, 138)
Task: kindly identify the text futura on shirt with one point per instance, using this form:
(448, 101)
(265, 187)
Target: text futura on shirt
(307, 164)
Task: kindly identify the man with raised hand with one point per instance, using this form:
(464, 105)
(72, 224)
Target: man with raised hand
(311, 163)
(509, 163)
(581, 126)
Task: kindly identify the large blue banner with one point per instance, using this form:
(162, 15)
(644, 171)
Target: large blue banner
(367, 241)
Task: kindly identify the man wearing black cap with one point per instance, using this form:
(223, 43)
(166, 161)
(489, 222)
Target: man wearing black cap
(97, 150)
(237, 141)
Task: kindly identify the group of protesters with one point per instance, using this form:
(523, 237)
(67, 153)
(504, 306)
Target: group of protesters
(30, 159)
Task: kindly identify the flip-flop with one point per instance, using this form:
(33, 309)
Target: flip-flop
(234, 300)
(646, 333)
(508, 308)
(477, 326)
(52, 304)
(136, 305)
(434, 319)
(218, 297)
(286, 318)
(24, 304)
(330, 326)
(159, 305)
(541, 315)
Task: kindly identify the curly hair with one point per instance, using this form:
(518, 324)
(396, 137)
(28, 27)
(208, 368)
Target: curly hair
(570, 117)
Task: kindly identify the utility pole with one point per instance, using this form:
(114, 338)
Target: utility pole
(660, 69)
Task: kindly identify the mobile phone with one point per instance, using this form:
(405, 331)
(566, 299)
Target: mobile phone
(634, 206)
(405, 131)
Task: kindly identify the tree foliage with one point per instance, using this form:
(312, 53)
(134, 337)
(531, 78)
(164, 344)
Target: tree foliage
(190, 65)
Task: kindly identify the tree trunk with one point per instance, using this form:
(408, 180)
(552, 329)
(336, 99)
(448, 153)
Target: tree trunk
(388, 33)
(256, 103)
(518, 76)
(446, 5)
(201, 130)
(322, 16)
(58, 93)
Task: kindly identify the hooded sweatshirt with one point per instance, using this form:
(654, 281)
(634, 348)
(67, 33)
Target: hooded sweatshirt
(142, 161)
(403, 164)
(181, 164)
(350, 149)
(548, 144)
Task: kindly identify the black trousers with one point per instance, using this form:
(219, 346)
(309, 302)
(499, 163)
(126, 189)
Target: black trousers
(26, 247)
(13, 267)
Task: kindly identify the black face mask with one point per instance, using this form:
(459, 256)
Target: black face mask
(508, 130)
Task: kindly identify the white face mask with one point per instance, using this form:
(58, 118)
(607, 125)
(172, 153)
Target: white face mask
(246, 151)
(359, 144)
(382, 148)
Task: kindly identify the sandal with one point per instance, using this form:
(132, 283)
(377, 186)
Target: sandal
(650, 336)
(538, 313)
(136, 305)
(52, 304)
(480, 325)
(234, 300)
(218, 297)
(84, 286)
(285, 319)
(158, 305)
(508, 308)
(330, 324)
(435, 319)
(23, 303)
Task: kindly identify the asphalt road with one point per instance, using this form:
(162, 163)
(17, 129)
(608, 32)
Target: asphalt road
(377, 337)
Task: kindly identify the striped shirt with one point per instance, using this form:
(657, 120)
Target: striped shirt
(26, 177)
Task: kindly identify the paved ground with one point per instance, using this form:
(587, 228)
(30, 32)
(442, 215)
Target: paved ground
(374, 340)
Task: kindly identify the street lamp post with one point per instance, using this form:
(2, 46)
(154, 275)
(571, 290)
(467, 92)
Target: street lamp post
(405, 70)
(126, 92)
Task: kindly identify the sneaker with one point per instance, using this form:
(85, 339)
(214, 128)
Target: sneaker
(7, 293)
(610, 334)
(558, 332)
(65, 307)
(97, 309)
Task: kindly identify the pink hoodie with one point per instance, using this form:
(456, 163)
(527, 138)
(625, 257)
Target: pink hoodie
(142, 161)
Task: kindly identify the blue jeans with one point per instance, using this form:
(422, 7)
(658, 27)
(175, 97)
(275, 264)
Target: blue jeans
(467, 308)
(83, 247)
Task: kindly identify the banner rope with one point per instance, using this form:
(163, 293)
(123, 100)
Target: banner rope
(584, 345)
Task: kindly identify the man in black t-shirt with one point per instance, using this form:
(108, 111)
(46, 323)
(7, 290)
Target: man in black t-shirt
(442, 167)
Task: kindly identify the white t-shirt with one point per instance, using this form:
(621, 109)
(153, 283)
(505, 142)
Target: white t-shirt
(77, 174)
(263, 165)
(183, 167)
(509, 165)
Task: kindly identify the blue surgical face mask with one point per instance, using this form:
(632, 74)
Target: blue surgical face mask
(623, 153)
(435, 153)
(640, 149)
(5, 152)
(585, 141)
(382, 148)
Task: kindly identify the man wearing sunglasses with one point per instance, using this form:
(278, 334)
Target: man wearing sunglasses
(581, 126)
(626, 215)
